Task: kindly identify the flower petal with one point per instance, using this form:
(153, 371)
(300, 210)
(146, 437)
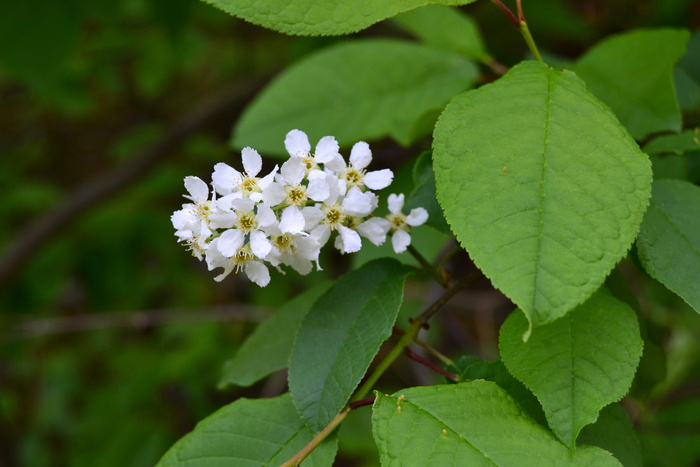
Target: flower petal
(417, 216)
(198, 190)
(400, 241)
(257, 272)
(318, 190)
(374, 229)
(327, 149)
(252, 162)
(378, 179)
(229, 242)
(357, 203)
(259, 244)
(297, 143)
(292, 220)
(266, 216)
(348, 241)
(293, 171)
(360, 155)
(395, 203)
(225, 178)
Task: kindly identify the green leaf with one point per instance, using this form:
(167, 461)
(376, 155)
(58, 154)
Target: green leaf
(613, 431)
(577, 364)
(320, 17)
(687, 76)
(268, 348)
(669, 239)
(618, 72)
(677, 144)
(473, 424)
(356, 90)
(340, 336)
(261, 432)
(445, 27)
(541, 185)
(423, 194)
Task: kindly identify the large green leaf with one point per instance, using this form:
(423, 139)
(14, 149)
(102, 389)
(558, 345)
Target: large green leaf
(356, 90)
(613, 431)
(542, 186)
(669, 239)
(320, 17)
(268, 348)
(445, 27)
(577, 364)
(475, 424)
(249, 433)
(340, 336)
(633, 74)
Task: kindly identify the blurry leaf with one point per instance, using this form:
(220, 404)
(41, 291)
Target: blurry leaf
(541, 185)
(172, 14)
(669, 239)
(669, 166)
(267, 349)
(473, 423)
(496, 372)
(617, 71)
(613, 431)
(320, 17)
(340, 336)
(445, 27)
(577, 364)
(359, 90)
(424, 196)
(262, 432)
(676, 143)
(687, 76)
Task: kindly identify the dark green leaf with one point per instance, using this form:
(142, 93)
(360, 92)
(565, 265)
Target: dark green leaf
(359, 90)
(677, 144)
(613, 431)
(340, 336)
(424, 196)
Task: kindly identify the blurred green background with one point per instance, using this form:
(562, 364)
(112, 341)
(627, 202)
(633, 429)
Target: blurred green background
(112, 337)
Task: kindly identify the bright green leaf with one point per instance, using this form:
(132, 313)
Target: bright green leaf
(320, 17)
(677, 144)
(541, 185)
(445, 27)
(268, 348)
(618, 72)
(613, 431)
(577, 364)
(358, 90)
(249, 433)
(669, 239)
(475, 424)
(340, 336)
(423, 194)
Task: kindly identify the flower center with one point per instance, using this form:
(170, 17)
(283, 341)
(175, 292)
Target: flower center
(249, 185)
(354, 176)
(296, 195)
(333, 216)
(246, 222)
(398, 221)
(285, 242)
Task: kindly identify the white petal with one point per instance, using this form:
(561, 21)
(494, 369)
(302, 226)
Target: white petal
(312, 216)
(274, 194)
(378, 179)
(225, 178)
(336, 164)
(252, 162)
(266, 216)
(357, 203)
(222, 219)
(318, 190)
(243, 204)
(374, 229)
(307, 248)
(417, 216)
(182, 217)
(327, 149)
(297, 143)
(259, 244)
(257, 272)
(292, 220)
(400, 240)
(267, 179)
(350, 240)
(321, 234)
(360, 155)
(293, 171)
(198, 190)
(395, 203)
(230, 241)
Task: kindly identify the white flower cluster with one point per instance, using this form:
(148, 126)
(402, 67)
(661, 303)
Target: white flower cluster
(287, 216)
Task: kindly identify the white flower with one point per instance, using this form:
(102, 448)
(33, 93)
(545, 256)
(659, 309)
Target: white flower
(240, 259)
(248, 223)
(327, 150)
(354, 175)
(297, 251)
(400, 223)
(229, 181)
(375, 230)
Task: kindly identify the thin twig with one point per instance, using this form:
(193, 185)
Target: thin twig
(415, 357)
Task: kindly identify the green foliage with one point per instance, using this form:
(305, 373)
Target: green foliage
(541, 185)
(263, 432)
(428, 425)
(340, 336)
(643, 98)
(676, 143)
(268, 348)
(577, 364)
(355, 91)
(614, 432)
(669, 238)
(320, 17)
(423, 194)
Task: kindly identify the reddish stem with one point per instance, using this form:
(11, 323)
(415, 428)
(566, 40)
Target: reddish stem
(414, 356)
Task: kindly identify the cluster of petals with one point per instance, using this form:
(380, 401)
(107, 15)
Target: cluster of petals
(247, 222)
